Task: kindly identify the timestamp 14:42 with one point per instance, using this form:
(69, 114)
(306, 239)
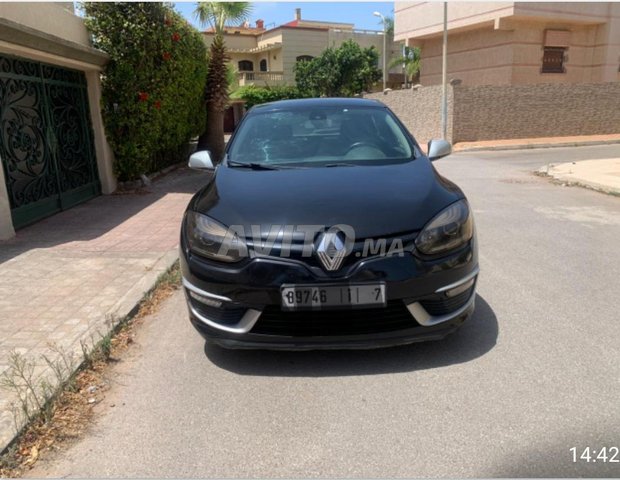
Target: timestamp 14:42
(592, 455)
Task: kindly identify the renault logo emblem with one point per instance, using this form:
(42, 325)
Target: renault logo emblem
(331, 250)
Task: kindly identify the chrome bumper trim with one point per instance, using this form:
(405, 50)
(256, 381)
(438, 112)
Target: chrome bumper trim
(197, 290)
(427, 320)
(247, 322)
(466, 278)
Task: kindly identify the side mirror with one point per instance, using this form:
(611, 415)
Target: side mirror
(201, 161)
(438, 149)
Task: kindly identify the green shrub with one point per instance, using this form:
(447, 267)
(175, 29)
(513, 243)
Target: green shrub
(253, 95)
(339, 72)
(153, 86)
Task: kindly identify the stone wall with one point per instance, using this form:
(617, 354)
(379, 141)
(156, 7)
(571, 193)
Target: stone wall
(419, 109)
(495, 112)
(547, 110)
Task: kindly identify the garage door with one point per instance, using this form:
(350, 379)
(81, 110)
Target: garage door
(46, 145)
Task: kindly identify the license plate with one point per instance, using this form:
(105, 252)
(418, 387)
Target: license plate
(321, 296)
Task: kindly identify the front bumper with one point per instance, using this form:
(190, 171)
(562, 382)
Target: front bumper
(238, 306)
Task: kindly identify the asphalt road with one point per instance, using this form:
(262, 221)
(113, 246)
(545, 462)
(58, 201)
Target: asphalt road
(534, 372)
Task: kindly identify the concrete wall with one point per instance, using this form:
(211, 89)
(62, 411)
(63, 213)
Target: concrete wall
(232, 41)
(271, 36)
(276, 60)
(578, 12)
(51, 18)
(494, 112)
(319, 24)
(482, 56)
(583, 56)
(526, 111)
(607, 45)
(422, 19)
(6, 221)
(419, 109)
(513, 55)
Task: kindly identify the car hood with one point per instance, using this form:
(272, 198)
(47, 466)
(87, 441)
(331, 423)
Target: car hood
(375, 200)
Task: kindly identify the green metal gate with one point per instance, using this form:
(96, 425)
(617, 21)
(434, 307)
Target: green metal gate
(46, 145)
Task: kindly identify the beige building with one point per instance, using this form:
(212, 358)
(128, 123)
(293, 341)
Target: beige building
(53, 150)
(508, 43)
(264, 56)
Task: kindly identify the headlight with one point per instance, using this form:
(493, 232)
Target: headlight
(450, 229)
(211, 239)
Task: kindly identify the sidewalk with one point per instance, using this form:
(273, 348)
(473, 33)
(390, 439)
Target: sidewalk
(70, 277)
(602, 175)
(541, 142)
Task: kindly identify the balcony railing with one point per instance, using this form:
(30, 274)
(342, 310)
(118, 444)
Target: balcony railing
(260, 78)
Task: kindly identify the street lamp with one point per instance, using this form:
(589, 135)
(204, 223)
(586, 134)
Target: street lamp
(377, 14)
(444, 73)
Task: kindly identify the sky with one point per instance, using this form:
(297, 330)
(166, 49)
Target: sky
(277, 13)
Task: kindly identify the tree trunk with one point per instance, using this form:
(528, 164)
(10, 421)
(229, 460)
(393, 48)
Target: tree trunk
(202, 139)
(214, 135)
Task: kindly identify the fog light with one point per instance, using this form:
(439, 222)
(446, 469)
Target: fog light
(206, 300)
(460, 289)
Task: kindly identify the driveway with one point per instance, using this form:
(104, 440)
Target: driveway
(535, 372)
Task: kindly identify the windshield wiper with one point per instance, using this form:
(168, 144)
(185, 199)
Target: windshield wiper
(253, 165)
(339, 165)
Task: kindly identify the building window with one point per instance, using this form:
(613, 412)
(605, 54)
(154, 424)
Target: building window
(553, 60)
(263, 65)
(304, 58)
(246, 66)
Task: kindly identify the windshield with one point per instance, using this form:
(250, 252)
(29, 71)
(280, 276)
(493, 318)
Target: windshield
(323, 136)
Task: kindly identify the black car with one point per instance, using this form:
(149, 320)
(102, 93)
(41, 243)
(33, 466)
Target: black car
(326, 226)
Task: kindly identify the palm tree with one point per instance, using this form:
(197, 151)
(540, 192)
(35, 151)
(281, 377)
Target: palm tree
(217, 15)
(411, 58)
(389, 27)
(411, 61)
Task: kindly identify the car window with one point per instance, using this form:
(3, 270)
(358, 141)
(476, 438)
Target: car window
(321, 136)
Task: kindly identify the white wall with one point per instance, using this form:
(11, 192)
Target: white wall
(52, 18)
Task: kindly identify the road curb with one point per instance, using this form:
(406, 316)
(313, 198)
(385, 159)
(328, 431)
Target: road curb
(547, 171)
(128, 303)
(527, 146)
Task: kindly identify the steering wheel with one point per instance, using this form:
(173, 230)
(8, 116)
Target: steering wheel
(360, 145)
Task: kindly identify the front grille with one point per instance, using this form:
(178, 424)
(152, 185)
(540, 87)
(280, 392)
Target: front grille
(371, 245)
(440, 304)
(310, 323)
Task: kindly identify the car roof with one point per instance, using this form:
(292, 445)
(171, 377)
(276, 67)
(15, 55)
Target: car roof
(318, 102)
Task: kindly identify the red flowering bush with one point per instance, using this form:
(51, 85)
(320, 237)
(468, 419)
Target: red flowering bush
(153, 86)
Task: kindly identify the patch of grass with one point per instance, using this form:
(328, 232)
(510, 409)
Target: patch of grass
(59, 407)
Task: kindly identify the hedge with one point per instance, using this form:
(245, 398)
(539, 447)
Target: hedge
(153, 86)
(253, 95)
